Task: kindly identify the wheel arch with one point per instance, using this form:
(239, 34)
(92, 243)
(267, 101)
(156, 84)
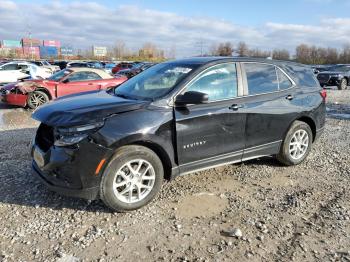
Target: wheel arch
(311, 123)
(161, 153)
(161, 148)
(45, 90)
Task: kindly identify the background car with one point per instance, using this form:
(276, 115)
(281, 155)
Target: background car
(77, 64)
(122, 66)
(14, 71)
(45, 64)
(134, 70)
(65, 82)
(61, 64)
(337, 75)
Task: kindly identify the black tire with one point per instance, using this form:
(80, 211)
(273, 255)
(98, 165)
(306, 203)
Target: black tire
(343, 84)
(36, 99)
(121, 158)
(285, 156)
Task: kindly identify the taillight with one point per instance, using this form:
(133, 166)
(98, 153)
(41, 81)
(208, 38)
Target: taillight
(323, 93)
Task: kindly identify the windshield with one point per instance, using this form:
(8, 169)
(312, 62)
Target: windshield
(59, 75)
(155, 82)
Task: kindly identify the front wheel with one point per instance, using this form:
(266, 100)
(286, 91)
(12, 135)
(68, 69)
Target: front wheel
(132, 178)
(36, 99)
(296, 145)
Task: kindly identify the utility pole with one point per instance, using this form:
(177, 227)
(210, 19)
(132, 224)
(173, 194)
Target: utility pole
(200, 44)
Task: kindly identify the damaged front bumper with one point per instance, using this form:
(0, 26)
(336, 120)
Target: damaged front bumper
(14, 99)
(70, 171)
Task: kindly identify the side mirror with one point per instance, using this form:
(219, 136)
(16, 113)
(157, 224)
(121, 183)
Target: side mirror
(65, 81)
(191, 98)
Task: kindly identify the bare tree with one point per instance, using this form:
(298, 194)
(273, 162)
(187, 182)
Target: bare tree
(280, 54)
(259, 53)
(242, 49)
(223, 49)
(119, 49)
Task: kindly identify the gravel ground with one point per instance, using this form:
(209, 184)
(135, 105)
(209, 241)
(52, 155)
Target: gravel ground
(256, 211)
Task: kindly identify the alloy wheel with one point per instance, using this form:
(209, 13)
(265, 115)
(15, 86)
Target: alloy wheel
(134, 181)
(299, 144)
(37, 99)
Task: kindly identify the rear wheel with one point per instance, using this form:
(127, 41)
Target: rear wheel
(343, 84)
(296, 145)
(36, 99)
(132, 179)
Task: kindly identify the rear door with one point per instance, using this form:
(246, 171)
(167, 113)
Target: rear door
(270, 107)
(78, 82)
(212, 133)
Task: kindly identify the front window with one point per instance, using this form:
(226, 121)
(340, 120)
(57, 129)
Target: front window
(156, 82)
(59, 75)
(219, 82)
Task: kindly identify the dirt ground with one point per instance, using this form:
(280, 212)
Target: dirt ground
(255, 211)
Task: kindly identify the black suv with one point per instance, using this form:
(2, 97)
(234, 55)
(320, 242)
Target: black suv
(176, 118)
(337, 75)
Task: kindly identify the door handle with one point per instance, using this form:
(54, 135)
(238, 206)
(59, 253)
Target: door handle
(90, 84)
(289, 97)
(235, 107)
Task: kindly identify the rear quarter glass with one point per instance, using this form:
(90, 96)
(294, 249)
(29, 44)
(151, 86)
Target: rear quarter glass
(302, 75)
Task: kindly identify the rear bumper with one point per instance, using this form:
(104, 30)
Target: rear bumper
(14, 99)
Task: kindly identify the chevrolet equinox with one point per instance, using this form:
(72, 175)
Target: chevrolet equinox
(175, 118)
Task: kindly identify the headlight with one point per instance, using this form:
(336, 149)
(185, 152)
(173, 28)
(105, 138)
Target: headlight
(73, 135)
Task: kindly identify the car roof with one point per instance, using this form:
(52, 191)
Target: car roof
(214, 59)
(100, 72)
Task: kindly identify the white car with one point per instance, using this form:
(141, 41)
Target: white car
(14, 71)
(45, 64)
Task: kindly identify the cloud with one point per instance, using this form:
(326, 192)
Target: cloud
(83, 24)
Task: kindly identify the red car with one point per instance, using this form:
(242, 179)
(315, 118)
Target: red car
(122, 66)
(33, 93)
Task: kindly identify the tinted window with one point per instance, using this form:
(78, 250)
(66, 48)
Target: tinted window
(302, 75)
(10, 67)
(83, 76)
(22, 67)
(261, 78)
(219, 82)
(284, 82)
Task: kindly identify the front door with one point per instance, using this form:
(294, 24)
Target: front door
(78, 82)
(211, 133)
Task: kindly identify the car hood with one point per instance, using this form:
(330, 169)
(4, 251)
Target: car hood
(81, 109)
(331, 73)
